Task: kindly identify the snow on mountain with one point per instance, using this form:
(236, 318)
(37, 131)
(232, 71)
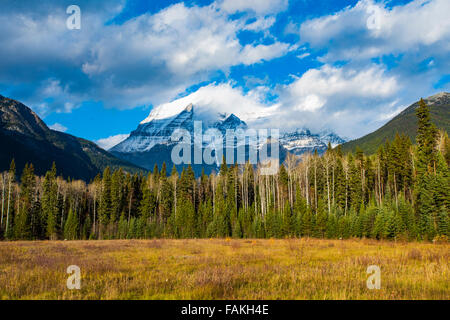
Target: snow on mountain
(230, 122)
(301, 140)
(329, 136)
(158, 127)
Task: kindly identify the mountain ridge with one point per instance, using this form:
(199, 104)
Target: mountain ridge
(151, 142)
(25, 138)
(405, 122)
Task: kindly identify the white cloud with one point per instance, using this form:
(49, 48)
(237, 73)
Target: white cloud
(108, 143)
(370, 29)
(213, 99)
(188, 40)
(310, 102)
(58, 127)
(393, 110)
(260, 24)
(258, 6)
(146, 60)
(328, 81)
(303, 55)
(410, 44)
(346, 99)
(172, 50)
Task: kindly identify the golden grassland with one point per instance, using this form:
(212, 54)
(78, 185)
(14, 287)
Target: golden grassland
(224, 269)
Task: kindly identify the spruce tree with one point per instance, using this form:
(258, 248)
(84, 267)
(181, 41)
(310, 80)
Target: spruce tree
(71, 226)
(105, 207)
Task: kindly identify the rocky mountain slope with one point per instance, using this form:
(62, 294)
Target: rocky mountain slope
(151, 142)
(26, 138)
(405, 122)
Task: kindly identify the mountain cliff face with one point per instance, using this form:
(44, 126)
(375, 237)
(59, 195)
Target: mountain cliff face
(405, 122)
(154, 131)
(302, 140)
(151, 142)
(25, 138)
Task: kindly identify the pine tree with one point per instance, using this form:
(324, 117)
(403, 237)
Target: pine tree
(22, 225)
(426, 170)
(9, 210)
(426, 140)
(71, 226)
(443, 222)
(105, 207)
(50, 204)
(321, 219)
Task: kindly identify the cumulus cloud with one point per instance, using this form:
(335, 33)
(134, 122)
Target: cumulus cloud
(329, 81)
(409, 45)
(108, 143)
(260, 24)
(344, 98)
(146, 60)
(153, 57)
(261, 7)
(371, 29)
(58, 127)
(214, 99)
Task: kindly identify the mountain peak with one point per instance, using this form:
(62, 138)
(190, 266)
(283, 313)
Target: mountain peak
(230, 122)
(167, 112)
(439, 96)
(24, 137)
(17, 117)
(405, 122)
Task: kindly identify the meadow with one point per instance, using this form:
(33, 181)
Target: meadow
(224, 269)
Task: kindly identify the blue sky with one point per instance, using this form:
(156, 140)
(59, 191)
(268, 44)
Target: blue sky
(345, 65)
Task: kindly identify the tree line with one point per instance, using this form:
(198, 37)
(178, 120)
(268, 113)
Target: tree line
(401, 192)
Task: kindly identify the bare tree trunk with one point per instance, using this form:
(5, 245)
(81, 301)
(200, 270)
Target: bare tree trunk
(328, 183)
(255, 196)
(9, 201)
(95, 209)
(213, 196)
(129, 208)
(307, 186)
(315, 183)
(395, 190)
(62, 213)
(3, 200)
(346, 190)
(333, 183)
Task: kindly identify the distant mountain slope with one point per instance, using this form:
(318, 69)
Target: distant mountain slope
(151, 142)
(405, 122)
(26, 138)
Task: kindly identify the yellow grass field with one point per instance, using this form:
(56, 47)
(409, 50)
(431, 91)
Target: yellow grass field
(224, 269)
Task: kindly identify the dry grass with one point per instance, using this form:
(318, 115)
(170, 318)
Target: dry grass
(224, 269)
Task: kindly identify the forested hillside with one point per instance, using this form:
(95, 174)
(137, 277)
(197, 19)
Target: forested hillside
(405, 123)
(401, 192)
(26, 138)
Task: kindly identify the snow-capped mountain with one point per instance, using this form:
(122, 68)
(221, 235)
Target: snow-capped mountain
(301, 141)
(156, 129)
(331, 137)
(229, 122)
(151, 142)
